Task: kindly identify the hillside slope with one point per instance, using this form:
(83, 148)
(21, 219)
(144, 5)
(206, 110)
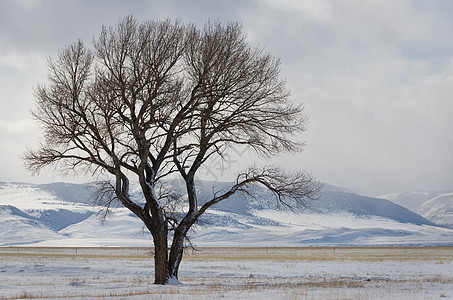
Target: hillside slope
(436, 207)
(332, 200)
(60, 214)
(439, 209)
(411, 200)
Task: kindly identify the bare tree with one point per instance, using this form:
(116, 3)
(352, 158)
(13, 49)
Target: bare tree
(159, 99)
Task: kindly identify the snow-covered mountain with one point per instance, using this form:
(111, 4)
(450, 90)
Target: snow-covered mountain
(62, 214)
(437, 207)
(411, 200)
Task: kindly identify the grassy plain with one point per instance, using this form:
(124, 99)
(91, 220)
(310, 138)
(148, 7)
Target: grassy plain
(230, 273)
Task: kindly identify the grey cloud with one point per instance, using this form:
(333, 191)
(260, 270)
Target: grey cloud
(376, 87)
(376, 77)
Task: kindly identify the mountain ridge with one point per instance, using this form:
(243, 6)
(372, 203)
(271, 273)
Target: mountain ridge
(60, 214)
(437, 207)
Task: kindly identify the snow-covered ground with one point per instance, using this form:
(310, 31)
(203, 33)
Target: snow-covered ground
(315, 229)
(236, 273)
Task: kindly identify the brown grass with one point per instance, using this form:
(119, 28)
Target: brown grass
(323, 254)
(440, 254)
(82, 252)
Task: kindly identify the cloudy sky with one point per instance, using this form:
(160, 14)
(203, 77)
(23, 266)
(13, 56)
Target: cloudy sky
(376, 79)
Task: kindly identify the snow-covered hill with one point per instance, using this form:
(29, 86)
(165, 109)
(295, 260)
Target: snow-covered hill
(437, 207)
(332, 200)
(411, 200)
(61, 214)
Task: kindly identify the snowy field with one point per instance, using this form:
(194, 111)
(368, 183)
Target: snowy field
(230, 273)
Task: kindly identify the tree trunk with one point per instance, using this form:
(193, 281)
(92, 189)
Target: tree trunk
(177, 247)
(176, 253)
(161, 273)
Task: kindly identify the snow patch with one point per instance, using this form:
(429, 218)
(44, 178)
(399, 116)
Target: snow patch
(173, 281)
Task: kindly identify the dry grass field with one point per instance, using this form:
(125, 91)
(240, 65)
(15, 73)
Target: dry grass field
(229, 273)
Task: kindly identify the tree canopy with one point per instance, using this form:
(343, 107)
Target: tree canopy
(156, 99)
